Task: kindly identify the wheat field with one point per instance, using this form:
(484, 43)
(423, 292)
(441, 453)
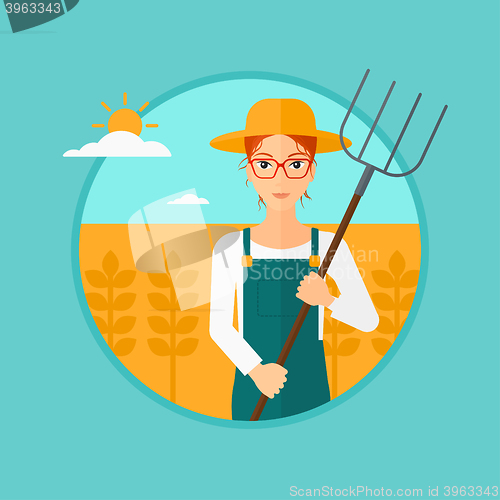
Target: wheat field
(171, 351)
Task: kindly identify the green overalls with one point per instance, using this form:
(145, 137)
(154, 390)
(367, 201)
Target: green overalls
(270, 307)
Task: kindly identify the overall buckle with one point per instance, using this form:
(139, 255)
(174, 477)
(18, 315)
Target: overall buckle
(246, 261)
(314, 261)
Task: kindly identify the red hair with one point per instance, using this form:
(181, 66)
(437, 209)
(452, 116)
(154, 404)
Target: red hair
(306, 143)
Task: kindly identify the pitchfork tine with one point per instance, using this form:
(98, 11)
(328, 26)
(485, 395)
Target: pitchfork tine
(431, 138)
(369, 168)
(358, 92)
(393, 152)
(349, 111)
(380, 111)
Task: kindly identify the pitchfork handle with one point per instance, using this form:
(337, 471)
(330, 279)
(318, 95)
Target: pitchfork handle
(330, 254)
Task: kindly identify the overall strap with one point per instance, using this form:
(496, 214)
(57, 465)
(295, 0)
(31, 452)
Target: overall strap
(246, 259)
(314, 260)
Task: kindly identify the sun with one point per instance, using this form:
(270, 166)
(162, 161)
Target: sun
(125, 119)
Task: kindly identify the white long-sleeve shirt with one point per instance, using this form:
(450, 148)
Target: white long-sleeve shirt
(354, 306)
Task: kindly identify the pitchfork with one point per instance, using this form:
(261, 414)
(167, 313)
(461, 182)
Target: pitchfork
(358, 193)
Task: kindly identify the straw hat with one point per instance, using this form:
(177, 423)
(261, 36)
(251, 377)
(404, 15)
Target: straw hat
(279, 116)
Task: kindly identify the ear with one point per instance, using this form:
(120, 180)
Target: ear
(313, 170)
(250, 174)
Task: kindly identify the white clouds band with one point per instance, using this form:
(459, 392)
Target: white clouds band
(120, 144)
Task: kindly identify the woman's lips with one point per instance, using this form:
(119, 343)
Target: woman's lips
(281, 196)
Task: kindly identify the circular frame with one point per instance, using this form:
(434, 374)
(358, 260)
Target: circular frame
(424, 260)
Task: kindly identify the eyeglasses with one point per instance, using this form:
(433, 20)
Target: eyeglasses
(294, 168)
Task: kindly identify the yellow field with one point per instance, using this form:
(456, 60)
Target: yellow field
(171, 350)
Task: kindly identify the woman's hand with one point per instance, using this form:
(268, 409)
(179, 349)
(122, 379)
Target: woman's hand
(314, 291)
(269, 378)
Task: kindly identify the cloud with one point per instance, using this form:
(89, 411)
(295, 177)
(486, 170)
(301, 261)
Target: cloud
(120, 144)
(189, 199)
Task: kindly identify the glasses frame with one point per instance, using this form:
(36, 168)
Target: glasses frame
(281, 165)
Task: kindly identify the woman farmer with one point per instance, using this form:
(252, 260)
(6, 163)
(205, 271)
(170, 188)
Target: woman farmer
(272, 268)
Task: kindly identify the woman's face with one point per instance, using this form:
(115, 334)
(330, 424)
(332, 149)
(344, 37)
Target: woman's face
(280, 192)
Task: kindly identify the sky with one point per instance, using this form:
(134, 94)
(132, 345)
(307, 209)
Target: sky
(187, 124)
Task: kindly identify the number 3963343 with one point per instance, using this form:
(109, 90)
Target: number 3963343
(26, 15)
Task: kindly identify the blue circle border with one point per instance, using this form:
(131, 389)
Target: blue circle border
(424, 242)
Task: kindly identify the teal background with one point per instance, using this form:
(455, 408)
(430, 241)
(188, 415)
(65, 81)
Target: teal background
(73, 427)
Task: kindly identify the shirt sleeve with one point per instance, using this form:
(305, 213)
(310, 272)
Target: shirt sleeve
(222, 330)
(354, 306)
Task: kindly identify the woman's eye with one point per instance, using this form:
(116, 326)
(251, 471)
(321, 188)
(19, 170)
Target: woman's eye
(263, 165)
(296, 165)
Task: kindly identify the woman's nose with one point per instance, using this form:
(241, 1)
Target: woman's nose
(280, 175)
